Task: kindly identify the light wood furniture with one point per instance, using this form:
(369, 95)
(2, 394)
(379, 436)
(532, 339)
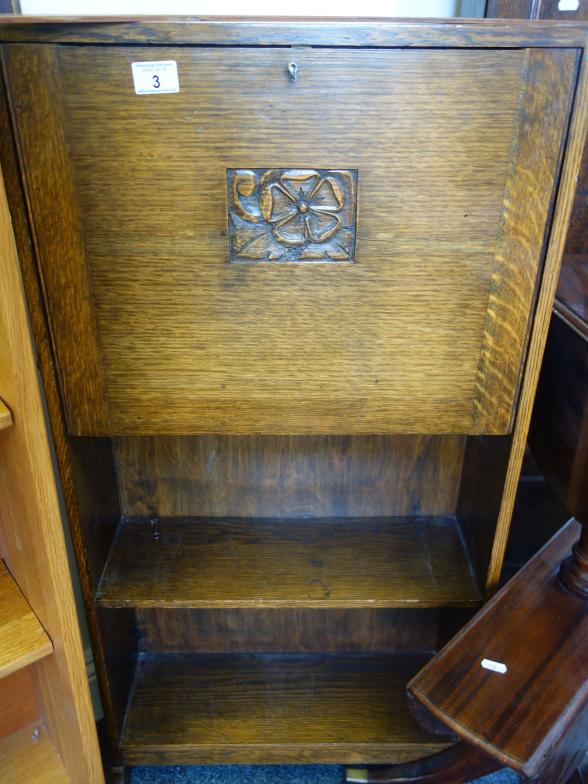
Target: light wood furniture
(22, 638)
(28, 756)
(5, 416)
(47, 730)
(289, 321)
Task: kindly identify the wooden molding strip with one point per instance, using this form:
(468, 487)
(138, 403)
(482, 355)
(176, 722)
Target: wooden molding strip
(268, 31)
(22, 638)
(5, 415)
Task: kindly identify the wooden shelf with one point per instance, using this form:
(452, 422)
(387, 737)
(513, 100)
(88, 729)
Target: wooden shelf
(22, 638)
(273, 708)
(30, 761)
(207, 563)
(5, 415)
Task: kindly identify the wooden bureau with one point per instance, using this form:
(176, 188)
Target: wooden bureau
(289, 320)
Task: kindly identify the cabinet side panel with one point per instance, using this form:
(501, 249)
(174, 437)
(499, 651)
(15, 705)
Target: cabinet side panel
(545, 100)
(563, 209)
(34, 84)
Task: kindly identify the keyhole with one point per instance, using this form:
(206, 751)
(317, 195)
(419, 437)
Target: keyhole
(292, 69)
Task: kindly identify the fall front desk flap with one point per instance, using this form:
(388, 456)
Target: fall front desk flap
(290, 240)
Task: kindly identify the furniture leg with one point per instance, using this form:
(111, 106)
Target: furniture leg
(574, 570)
(454, 765)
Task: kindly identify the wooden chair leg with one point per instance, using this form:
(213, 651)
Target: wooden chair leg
(455, 765)
(574, 570)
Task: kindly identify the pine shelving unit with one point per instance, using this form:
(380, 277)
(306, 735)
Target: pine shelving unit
(22, 638)
(47, 729)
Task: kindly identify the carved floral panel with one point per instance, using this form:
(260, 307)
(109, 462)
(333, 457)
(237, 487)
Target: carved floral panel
(292, 215)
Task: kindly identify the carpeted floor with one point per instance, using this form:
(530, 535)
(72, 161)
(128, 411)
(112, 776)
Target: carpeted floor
(265, 774)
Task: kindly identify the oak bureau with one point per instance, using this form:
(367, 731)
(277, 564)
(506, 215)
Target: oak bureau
(289, 283)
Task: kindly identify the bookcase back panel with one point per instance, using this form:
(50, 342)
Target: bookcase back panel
(296, 630)
(298, 241)
(288, 476)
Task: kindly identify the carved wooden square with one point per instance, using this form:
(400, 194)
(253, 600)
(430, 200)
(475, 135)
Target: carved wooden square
(292, 215)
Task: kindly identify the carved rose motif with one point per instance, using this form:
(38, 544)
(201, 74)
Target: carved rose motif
(302, 207)
(291, 215)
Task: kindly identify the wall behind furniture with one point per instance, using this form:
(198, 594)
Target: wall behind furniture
(406, 8)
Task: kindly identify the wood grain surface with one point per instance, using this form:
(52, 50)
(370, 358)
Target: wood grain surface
(18, 702)
(291, 348)
(294, 630)
(563, 207)
(572, 291)
(539, 631)
(5, 416)
(545, 102)
(22, 638)
(259, 563)
(85, 490)
(32, 535)
(288, 476)
(123, 233)
(31, 760)
(295, 31)
(59, 235)
(298, 709)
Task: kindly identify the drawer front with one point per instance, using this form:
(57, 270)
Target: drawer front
(298, 241)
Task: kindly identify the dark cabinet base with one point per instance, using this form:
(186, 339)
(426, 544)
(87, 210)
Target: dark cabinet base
(273, 708)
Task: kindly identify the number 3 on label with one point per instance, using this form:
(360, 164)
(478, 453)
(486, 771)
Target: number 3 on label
(155, 77)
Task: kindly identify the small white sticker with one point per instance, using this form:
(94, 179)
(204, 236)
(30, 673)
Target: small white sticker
(568, 5)
(156, 77)
(488, 664)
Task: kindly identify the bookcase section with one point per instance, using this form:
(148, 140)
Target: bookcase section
(289, 321)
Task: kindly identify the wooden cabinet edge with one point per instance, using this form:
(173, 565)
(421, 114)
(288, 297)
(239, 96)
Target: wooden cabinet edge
(5, 416)
(559, 227)
(289, 31)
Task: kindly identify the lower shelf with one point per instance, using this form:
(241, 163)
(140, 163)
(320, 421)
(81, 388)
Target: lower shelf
(28, 758)
(273, 708)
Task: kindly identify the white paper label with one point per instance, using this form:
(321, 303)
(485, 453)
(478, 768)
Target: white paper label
(488, 664)
(156, 77)
(568, 5)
